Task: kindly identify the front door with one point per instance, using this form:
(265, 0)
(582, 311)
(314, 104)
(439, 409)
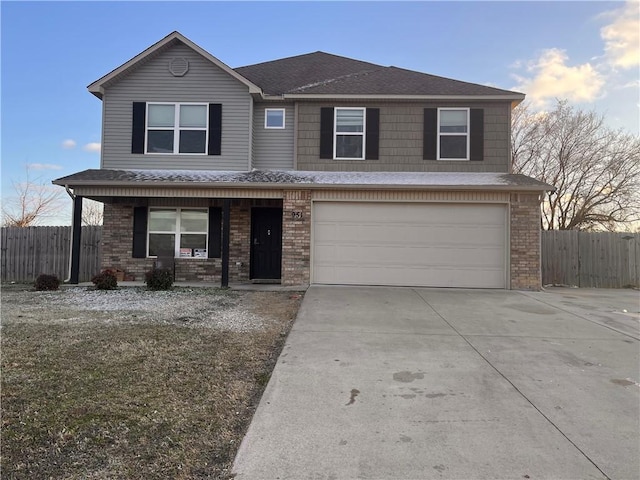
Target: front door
(266, 243)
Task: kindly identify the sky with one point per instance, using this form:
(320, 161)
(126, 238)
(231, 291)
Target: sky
(584, 52)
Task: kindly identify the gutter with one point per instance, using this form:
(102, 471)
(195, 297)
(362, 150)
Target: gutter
(330, 96)
(316, 186)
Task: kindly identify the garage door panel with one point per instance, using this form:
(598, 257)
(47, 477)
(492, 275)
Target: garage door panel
(444, 234)
(384, 256)
(402, 276)
(409, 244)
(372, 212)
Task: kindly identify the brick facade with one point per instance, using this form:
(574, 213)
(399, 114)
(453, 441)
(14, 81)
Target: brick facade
(117, 245)
(296, 237)
(117, 241)
(525, 242)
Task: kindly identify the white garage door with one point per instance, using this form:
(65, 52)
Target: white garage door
(416, 244)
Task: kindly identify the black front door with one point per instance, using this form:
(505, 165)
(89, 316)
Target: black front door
(266, 243)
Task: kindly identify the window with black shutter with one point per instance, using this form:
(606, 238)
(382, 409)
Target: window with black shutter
(176, 128)
(349, 133)
(453, 133)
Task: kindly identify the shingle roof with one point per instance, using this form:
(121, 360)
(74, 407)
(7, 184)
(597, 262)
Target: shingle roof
(324, 73)
(281, 178)
(289, 74)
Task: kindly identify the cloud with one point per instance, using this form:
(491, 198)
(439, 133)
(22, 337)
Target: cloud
(92, 147)
(631, 84)
(44, 166)
(622, 36)
(69, 144)
(549, 77)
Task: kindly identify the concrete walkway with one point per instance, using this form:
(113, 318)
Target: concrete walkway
(407, 383)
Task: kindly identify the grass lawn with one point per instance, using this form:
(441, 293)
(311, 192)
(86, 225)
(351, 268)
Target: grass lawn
(134, 384)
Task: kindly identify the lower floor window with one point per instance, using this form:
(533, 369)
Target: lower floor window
(178, 232)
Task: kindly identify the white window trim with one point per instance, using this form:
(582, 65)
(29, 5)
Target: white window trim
(176, 128)
(267, 110)
(451, 134)
(361, 134)
(177, 233)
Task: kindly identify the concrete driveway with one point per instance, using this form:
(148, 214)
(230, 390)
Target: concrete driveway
(411, 383)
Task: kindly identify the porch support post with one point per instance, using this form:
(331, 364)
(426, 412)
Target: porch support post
(76, 232)
(226, 229)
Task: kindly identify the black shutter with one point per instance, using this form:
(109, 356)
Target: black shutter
(477, 134)
(373, 133)
(137, 132)
(215, 232)
(326, 132)
(215, 129)
(430, 134)
(139, 232)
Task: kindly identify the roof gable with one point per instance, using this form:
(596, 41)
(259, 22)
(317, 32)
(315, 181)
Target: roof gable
(97, 87)
(321, 75)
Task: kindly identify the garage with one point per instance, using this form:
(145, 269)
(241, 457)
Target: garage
(410, 244)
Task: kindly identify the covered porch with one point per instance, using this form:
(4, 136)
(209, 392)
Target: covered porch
(222, 236)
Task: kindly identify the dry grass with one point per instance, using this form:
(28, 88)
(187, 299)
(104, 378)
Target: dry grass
(114, 394)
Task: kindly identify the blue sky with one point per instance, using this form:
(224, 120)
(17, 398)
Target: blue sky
(586, 52)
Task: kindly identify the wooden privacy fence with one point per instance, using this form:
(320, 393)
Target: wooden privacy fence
(583, 259)
(29, 251)
(590, 259)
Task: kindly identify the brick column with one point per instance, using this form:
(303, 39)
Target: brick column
(296, 237)
(525, 242)
(240, 243)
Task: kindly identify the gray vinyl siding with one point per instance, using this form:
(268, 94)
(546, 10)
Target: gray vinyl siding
(152, 82)
(273, 148)
(401, 142)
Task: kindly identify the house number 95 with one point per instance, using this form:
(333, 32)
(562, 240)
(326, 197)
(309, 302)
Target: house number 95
(296, 215)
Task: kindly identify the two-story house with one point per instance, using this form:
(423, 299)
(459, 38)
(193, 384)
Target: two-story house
(310, 169)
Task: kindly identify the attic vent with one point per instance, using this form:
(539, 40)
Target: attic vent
(178, 66)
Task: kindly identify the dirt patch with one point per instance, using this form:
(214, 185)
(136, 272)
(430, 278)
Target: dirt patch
(132, 383)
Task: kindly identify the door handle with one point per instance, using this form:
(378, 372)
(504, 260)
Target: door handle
(256, 242)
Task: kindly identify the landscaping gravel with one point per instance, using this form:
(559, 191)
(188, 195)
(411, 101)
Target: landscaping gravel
(202, 307)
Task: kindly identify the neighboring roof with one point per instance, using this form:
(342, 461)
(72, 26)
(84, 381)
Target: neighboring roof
(97, 87)
(327, 74)
(321, 75)
(281, 178)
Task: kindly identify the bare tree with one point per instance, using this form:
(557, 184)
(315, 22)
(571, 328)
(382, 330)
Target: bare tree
(32, 202)
(596, 170)
(92, 212)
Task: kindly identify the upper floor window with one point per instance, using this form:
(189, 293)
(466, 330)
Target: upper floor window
(177, 128)
(453, 134)
(349, 133)
(349, 141)
(180, 232)
(274, 118)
